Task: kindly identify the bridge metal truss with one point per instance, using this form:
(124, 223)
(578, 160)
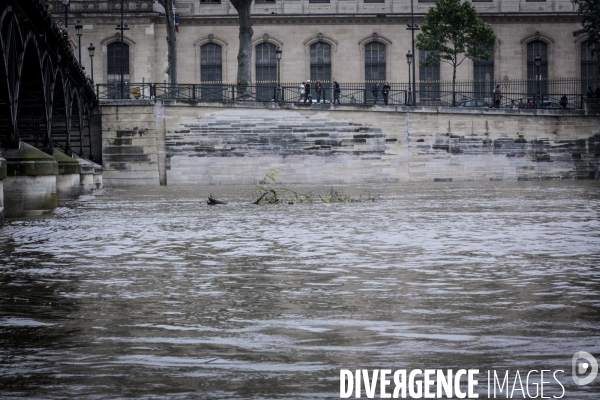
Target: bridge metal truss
(45, 99)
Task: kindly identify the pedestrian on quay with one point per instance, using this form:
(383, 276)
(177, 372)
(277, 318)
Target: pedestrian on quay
(301, 91)
(530, 105)
(590, 93)
(564, 101)
(597, 92)
(319, 89)
(385, 91)
(336, 92)
(497, 96)
(375, 90)
(307, 95)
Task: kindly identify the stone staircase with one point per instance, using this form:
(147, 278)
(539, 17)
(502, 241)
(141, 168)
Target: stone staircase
(256, 142)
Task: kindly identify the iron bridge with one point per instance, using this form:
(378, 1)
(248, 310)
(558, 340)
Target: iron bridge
(45, 99)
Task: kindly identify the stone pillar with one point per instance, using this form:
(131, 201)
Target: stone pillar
(86, 176)
(2, 177)
(129, 152)
(30, 185)
(97, 176)
(68, 180)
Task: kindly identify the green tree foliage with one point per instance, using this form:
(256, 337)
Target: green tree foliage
(589, 12)
(455, 30)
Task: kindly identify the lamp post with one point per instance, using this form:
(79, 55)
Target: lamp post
(66, 4)
(409, 59)
(79, 32)
(413, 27)
(122, 27)
(538, 64)
(91, 51)
(278, 56)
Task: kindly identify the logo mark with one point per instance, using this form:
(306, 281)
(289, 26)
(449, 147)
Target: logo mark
(581, 367)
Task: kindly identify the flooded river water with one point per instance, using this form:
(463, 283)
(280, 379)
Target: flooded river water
(150, 293)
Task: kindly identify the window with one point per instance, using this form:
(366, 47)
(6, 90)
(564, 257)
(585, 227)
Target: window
(210, 63)
(589, 65)
(537, 79)
(266, 71)
(211, 72)
(375, 61)
(117, 66)
(320, 61)
(266, 63)
(483, 74)
(429, 77)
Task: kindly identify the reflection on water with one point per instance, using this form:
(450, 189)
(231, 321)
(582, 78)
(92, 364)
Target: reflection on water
(151, 293)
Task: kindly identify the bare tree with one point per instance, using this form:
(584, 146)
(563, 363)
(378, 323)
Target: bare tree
(245, 51)
(171, 39)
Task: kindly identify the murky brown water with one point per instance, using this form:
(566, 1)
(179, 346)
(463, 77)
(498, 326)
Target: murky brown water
(149, 293)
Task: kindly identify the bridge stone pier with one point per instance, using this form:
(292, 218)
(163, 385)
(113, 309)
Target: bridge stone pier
(46, 105)
(2, 178)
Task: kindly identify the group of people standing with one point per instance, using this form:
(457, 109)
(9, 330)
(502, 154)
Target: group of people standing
(385, 91)
(305, 92)
(593, 94)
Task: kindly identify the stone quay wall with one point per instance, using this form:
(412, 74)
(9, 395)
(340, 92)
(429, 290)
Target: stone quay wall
(147, 143)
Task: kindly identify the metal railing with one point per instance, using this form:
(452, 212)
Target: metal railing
(101, 6)
(514, 94)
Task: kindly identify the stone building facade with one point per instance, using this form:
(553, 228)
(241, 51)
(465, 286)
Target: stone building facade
(343, 40)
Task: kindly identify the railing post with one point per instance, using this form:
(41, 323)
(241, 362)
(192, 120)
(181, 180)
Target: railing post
(193, 92)
(232, 92)
(98, 91)
(364, 96)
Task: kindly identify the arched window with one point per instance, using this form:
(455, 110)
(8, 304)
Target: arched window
(537, 77)
(320, 61)
(266, 72)
(429, 77)
(117, 65)
(589, 65)
(483, 74)
(375, 61)
(266, 63)
(210, 63)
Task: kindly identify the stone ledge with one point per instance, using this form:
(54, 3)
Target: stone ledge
(127, 102)
(29, 161)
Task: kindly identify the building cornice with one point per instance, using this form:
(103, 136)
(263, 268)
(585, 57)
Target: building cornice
(400, 18)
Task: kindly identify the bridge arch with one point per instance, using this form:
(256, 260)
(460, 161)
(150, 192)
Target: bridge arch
(32, 121)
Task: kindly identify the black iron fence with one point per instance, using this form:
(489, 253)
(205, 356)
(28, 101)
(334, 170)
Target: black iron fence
(101, 6)
(558, 93)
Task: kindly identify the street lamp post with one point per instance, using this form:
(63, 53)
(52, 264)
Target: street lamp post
(278, 55)
(538, 64)
(66, 4)
(79, 32)
(413, 27)
(409, 59)
(122, 27)
(91, 51)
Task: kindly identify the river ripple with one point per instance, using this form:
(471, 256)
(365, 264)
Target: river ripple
(149, 293)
